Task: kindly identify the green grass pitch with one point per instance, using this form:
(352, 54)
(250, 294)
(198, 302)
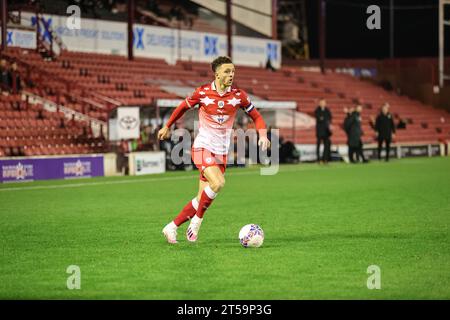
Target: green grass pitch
(323, 225)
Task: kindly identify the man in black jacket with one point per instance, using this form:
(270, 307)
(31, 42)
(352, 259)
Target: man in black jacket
(385, 128)
(323, 131)
(14, 81)
(4, 83)
(346, 125)
(352, 126)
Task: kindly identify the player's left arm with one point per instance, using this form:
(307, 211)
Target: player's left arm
(257, 118)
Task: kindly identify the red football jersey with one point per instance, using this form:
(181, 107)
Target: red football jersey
(216, 115)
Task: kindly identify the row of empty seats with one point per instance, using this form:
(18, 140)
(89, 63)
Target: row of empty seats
(138, 82)
(28, 129)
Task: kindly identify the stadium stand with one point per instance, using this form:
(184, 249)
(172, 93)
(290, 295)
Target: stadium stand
(185, 15)
(424, 123)
(29, 130)
(94, 84)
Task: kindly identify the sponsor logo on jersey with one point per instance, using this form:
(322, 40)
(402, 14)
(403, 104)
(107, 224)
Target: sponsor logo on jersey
(220, 118)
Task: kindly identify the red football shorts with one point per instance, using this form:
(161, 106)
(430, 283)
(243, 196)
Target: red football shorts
(204, 158)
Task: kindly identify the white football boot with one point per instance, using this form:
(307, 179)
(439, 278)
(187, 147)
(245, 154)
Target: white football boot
(192, 230)
(170, 232)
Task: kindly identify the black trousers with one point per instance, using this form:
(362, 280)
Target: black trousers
(358, 151)
(387, 141)
(326, 148)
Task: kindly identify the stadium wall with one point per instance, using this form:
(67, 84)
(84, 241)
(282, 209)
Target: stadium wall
(424, 71)
(393, 73)
(110, 37)
(398, 150)
(75, 166)
(254, 14)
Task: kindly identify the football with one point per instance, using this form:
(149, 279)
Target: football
(251, 235)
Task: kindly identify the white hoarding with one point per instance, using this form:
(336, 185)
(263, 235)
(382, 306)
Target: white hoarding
(147, 163)
(127, 125)
(157, 42)
(20, 38)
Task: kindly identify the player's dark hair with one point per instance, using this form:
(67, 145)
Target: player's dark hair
(217, 62)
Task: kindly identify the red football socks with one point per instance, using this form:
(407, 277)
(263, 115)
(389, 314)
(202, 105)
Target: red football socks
(207, 197)
(187, 213)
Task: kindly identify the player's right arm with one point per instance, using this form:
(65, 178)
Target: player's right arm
(185, 105)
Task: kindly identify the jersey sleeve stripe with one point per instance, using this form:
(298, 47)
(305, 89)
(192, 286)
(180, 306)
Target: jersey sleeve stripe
(187, 102)
(249, 108)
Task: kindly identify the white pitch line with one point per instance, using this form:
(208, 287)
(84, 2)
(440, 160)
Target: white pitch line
(76, 185)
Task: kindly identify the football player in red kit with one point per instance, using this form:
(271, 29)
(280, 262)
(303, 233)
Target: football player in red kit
(217, 103)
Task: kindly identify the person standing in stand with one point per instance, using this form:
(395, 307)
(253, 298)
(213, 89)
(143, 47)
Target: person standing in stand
(354, 133)
(323, 131)
(385, 128)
